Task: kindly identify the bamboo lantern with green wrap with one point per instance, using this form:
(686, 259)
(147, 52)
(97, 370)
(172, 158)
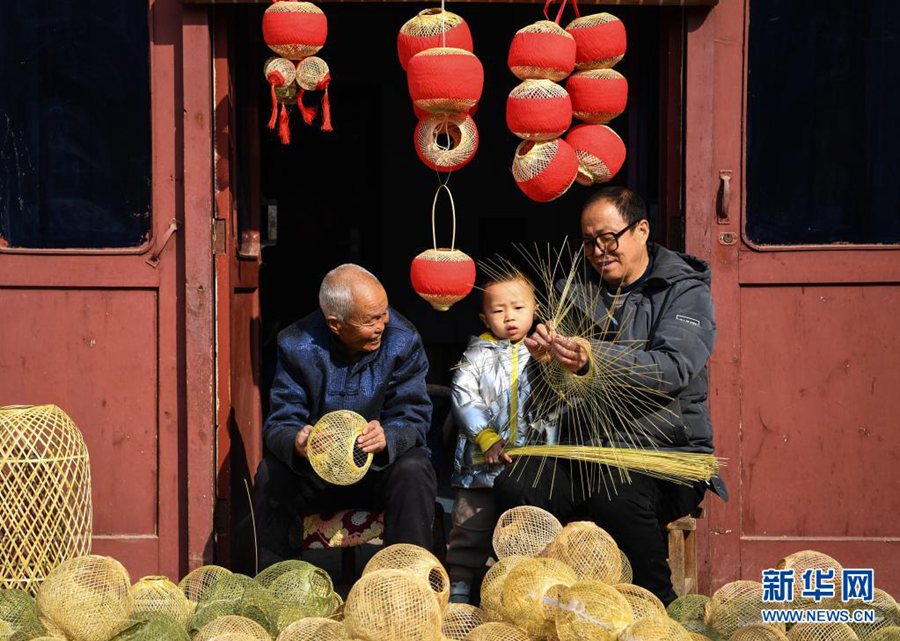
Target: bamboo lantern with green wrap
(45, 481)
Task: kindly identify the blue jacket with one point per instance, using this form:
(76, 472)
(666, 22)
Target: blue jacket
(314, 376)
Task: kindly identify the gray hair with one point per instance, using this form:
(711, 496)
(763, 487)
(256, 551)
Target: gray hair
(336, 291)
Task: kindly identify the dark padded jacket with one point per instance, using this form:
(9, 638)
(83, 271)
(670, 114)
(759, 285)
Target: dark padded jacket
(670, 315)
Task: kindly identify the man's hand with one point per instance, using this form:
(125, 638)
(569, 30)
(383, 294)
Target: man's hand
(540, 341)
(372, 439)
(495, 454)
(571, 353)
(301, 439)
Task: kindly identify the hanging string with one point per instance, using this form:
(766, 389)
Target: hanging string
(443, 187)
(562, 7)
(443, 24)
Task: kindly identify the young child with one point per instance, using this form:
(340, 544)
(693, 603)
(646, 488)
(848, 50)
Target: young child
(490, 392)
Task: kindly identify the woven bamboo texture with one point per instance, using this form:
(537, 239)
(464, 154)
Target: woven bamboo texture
(492, 586)
(332, 449)
(887, 613)
(526, 72)
(392, 604)
(821, 632)
(643, 602)
(890, 633)
(531, 591)
(460, 619)
(231, 624)
(315, 629)
(158, 595)
(416, 560)
(592, 610)
(758, 632)
(155, 628)
(18, 612)
(197, 583)
(45, 481)
(524, 531)
(655, 629)
(498, 631)
(237, 595)
(302, 592)
(87, 598)
(805, 560)
(734, 605)
(589, 550)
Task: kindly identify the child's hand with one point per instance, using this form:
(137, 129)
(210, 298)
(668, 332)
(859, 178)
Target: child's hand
(496, 454)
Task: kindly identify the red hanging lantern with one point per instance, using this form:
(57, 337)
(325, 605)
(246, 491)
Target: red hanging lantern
(600, 152)
(446, 142)
(445, 80)
(542, 50)
(544, 171)
(538, 110)
(313, 75)
(294, 30)
(598, 95)
(432, 28)
(279, 73)
(600, 40)
(442, 276)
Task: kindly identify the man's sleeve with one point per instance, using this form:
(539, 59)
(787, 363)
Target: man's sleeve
(289, 410)
(469, 410)
(678, 350)
(406, 413)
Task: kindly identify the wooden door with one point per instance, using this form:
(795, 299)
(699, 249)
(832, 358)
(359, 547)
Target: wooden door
(104, 306)
(806, 280)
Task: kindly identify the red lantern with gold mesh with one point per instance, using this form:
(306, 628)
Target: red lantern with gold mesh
(442, 276)
(294, 30)
(432, 28)
(544, 171)
(542, 50)
(600, 40)
(445, 80)
(598, 95)
(600, 152)
(538, 110)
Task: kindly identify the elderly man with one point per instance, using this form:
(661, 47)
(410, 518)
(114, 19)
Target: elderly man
(354, 353)
(661, 299)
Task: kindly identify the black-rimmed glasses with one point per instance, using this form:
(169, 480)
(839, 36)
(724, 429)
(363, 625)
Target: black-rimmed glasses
(606, 241)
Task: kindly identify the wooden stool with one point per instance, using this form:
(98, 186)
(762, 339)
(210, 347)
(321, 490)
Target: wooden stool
(683, 552)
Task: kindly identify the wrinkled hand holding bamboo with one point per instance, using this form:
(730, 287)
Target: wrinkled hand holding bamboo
(615, 401)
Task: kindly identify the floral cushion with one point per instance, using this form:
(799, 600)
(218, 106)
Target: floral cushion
(342, 529)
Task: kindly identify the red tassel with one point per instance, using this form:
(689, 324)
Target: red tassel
(308, 113)
(284, 127)
(274, 117)
(326, 111)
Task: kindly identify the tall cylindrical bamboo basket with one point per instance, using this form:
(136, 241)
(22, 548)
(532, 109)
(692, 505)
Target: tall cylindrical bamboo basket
(45, 481)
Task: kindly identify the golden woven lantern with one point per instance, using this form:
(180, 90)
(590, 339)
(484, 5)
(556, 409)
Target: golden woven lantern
(315, 629)
(53, 630)
(589, 550)
(87, 598)
(805, 560)
(497, 631)
(232, 624)
(392, 604)
(592, 610)
(658, 628)
(524, 531)
(45, 481)
(531, 591)
(492, 586)
(19, 614)
(642, 601)
(758, 632)
(887, 613)
(158, 595)
(821, 632)
(690, 611)
(302, 592)
(735, 605)
(460, 619)
(197, 583)
(333, 451)
(416, 560)
(446, 142)
(237, 595)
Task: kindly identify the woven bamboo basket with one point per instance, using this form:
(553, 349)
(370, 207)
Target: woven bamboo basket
(821, 632)
(492, 586)
(524, 531)
(890, 633)
(87, 598)
(332, 449)
(735, 605)
(805, 560)
(460, 619)
(45, 481)
(197, 583)
(887, 613)
(18, 612)
(497, 631)
(592, 610)
(642, 601)
(230, 624)
(758, 632)
(392, 604)
(589, 550)
(154, 628)
(158, 595)
(655, 629)
(237, 595)
(417, 560)
(302, 592)
(532, 590)
(315, 629)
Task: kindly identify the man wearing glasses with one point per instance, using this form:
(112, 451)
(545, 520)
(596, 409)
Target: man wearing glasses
(661, 299)
(353, 353)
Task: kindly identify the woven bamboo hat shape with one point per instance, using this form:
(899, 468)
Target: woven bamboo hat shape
(45, 482)
(589, 550)
(197, 583)
(232, 624)
(332, 449)
(821, 632)
(655, 629)
(758, 632)
(392, 604)
(592, 610)
(498, 631)
(524, 531)
(460, 619)
(18, 612)
(87, 598)
(642, 601)
(532, 590)
(158, 595)
(735, 605)
(492, 586)
(315, 629)
(419, 562)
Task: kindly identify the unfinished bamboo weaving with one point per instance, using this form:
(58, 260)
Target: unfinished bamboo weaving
(332, 449)
(315, 629)
(45, 481)
(524, 531)
(158, 595)
(890, 633)
(589, 550)
(492, 586)
(498, 631)
(87, 598)
(302, 592)
(530, 591)
(460, 619)
(642, 601)
(592, 610)
(392, 604)
(690, 611)
(887, 613)
(735, 605)
(417, 560)
(655, 629)
(237, 595)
